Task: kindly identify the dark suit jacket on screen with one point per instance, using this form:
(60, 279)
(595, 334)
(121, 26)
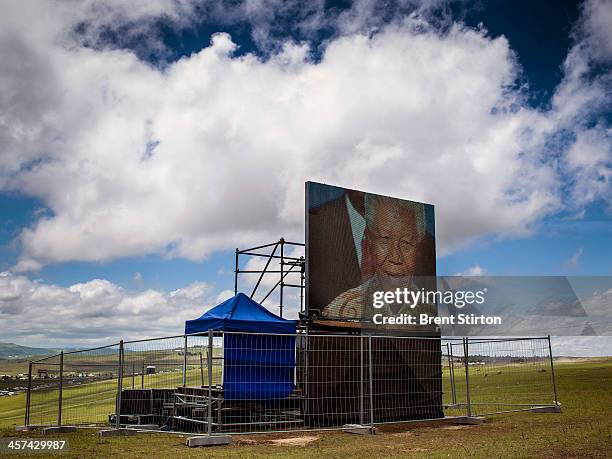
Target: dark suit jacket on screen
(333, 266)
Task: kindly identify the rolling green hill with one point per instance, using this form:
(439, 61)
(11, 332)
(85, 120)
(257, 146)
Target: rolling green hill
(13, 351)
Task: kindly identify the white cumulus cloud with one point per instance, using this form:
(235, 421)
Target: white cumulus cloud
(211, 151)
(92, 313)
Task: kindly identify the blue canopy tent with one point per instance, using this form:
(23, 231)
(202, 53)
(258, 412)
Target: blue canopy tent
(255, 366)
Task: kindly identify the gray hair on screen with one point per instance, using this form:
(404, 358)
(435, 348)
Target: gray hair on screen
(373, 201)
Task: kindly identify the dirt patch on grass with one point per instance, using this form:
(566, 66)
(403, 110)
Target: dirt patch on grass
(294, 441)
(246, 441)
(403, 434)
(407, 427)
(406, 430)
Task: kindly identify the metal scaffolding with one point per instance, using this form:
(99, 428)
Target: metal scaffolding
(292, 263)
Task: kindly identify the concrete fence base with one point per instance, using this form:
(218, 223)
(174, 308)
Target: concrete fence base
(116, 432)
(359, 429)
(213, 440)
(546, 409)
(59, 429)
(468, 420)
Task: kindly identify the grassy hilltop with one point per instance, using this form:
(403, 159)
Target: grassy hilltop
(584, 429)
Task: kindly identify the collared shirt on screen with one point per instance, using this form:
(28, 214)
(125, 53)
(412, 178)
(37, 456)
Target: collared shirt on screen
(357, 226)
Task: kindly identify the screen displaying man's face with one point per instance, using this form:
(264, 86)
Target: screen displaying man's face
(394, 240)
(359, 243)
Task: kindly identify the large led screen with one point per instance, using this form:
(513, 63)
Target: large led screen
(360, 244)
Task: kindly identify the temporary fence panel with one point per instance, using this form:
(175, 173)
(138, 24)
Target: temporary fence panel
(505, 375)
(245, 382)
(42, 401)
(90, 385)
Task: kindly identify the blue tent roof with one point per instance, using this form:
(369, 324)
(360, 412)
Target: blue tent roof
(240, 313)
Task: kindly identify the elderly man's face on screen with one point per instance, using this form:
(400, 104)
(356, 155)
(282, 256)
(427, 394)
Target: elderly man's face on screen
(394, 238)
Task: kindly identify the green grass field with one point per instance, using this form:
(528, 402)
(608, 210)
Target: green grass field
(584, 429)
(87, 403)
(91, 400)
(527, 383)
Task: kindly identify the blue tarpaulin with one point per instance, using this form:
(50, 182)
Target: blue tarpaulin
(255, 366)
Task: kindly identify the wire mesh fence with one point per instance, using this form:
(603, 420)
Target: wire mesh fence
(225, 382)
(502, 375)
(42, 400)
(73, 388)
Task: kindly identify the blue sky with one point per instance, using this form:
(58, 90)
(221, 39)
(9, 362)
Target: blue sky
(123, 81)
(541, 46)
